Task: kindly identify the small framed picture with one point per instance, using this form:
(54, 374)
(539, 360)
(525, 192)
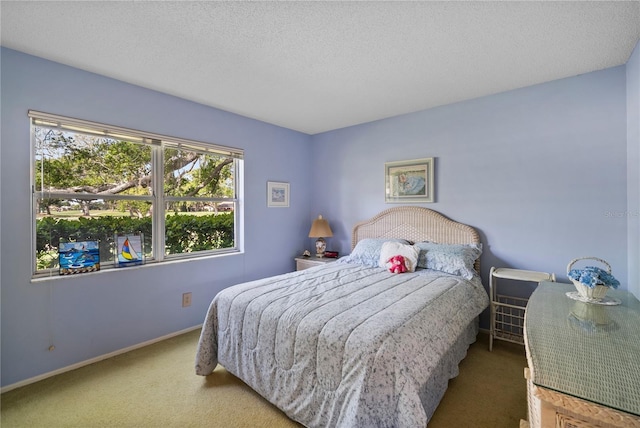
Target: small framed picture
(129, 249)
(79, 257)
(277, 194)
(409, 181)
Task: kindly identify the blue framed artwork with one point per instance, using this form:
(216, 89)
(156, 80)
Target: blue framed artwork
(409, 181)
(129, 250)
(277, 194)
(78, 257)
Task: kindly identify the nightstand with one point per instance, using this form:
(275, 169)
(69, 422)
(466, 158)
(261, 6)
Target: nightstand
(303, 263)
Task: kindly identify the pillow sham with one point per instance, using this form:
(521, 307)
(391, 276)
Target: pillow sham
(367, 251)
(409, 252)
(456, 259)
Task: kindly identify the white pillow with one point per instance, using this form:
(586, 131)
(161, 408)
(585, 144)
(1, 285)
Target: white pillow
(409, 252)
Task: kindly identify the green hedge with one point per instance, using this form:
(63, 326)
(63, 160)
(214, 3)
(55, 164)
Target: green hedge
(184, 234)
(187, 233)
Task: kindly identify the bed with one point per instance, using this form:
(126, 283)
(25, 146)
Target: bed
(349, 344)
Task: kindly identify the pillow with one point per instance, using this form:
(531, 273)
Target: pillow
(367, 251)
(456, 259)
(409, 252)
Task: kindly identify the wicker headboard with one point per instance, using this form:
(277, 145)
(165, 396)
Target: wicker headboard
(415, 224)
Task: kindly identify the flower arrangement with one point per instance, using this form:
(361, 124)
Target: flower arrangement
(592, 276)
(592, 282)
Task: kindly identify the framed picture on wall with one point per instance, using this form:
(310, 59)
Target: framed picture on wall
(277, 194)
(409, 181)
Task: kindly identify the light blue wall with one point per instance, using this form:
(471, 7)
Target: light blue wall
(633, 168)
(91, 315)
(540, 172)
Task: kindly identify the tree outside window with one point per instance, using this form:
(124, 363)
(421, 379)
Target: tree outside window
(91, 184)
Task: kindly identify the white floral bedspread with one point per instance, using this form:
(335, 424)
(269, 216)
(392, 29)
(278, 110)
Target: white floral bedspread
(342, 345)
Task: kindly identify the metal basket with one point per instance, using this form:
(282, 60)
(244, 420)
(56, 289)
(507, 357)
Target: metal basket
(596, 293)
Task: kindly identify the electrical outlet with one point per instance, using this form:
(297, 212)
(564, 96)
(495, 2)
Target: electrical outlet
(186, 299)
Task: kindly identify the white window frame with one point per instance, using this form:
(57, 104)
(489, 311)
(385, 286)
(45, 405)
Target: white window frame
(157, 142)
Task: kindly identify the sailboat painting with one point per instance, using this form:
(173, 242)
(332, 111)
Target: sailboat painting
(78, 257)
(129, 250)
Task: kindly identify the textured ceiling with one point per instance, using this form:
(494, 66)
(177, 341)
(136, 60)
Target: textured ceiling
(318, 66)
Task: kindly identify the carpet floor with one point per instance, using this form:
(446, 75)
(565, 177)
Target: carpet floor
(156, 386)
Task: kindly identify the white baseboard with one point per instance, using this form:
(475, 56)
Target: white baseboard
(95, 360)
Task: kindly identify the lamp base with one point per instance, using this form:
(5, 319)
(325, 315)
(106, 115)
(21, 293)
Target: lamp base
(321, 246)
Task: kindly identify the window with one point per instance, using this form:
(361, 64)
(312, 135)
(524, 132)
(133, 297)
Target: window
(91, 182)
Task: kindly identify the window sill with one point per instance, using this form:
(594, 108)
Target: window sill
(39, 278)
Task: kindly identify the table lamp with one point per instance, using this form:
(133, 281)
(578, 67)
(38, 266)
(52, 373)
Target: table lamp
(320, 229)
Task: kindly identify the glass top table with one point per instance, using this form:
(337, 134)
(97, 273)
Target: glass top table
(586, 350)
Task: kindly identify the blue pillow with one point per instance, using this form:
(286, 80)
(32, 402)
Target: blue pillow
(367, 251)
(456, 259)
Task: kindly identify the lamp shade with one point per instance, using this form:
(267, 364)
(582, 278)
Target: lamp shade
(320, 228)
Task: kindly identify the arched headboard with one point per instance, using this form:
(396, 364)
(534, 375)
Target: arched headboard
(415, 224)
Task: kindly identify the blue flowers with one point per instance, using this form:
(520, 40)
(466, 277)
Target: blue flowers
(592, 276)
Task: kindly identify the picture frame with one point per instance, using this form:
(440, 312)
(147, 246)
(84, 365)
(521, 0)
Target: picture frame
(129, 249)
(409, 181)
(78, 257)
(277, 194)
